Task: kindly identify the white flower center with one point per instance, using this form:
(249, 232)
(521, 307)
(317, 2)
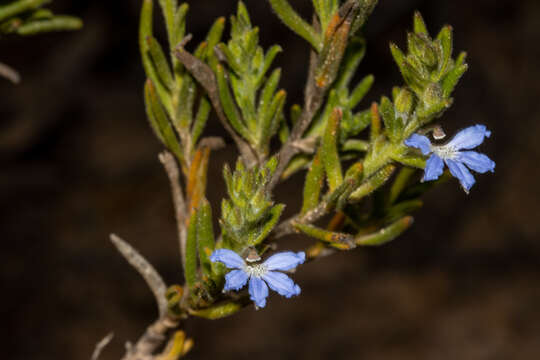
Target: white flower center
(257, 270)
(444, 151)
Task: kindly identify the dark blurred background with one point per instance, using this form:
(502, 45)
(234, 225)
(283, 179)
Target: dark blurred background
(79, 162)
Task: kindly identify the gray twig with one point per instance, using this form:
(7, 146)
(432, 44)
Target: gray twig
(101, 345)
(180, 211)
(151, 340)
(147, 271)
(313, 100)
(9, 73)
(206, 77)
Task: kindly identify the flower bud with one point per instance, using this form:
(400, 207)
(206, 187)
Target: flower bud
(422, 48)
(404, 101)
(433, 94)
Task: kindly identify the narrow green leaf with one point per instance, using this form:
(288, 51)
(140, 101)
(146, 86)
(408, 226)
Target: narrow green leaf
(275, 214)
(57, 23)
(335, 239)
(200, 119)
(297, 163)
(375, 123)
(389, 118)
(267, 93)
(373, 183)
(41, 14)
(159, 121)
(356, 51)
(168, 8)
(355, 145)
(229, 107)
(290, 18)
(160, 62)
(400, 183)
(145, 31)
(419, 25)
(356, 124)
(270, 121)
(386, 234)
(329, 150)
(18, 7)
(180, 23)
(284, 131)
(361, 90)
(190, 272)
(446, 43)
(314, 184)
(205, 237)
(218, 311)
(214, 36)
(184, 109)
(268, 59)
(451, 79)
(296, 111)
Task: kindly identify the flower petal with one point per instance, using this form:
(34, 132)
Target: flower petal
(285, 260)
(235, 280)
(434, 168)
(461, 173)
(420, 142)
(228, 257)
(281, 283)
(470, 137)
(476, 161)
(258, 291)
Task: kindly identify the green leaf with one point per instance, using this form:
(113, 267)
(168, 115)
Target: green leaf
(335, 239)
(356, 51)
(270, 122)
(269, 225)
(373, 183)
(355, 145)
(451, 79)
(446, 43)
(57, 23)
(268, 59)
(160, 62)
(267, 93)
(159, 121)
(218, 311)
(394, 126)
(168, 8)
(190, 271)
(314, 184)
(229, 107)
(400, 183)
(18, 7)
(180, 23)
(361, 90)
(386, 234)
(200, 119)
(290, 18)
(205, 237)
(419, 25)
(145, 31)
(329, 150)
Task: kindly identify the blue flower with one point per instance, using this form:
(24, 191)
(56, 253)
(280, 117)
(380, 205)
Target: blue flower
(459, 162)
(260, 275)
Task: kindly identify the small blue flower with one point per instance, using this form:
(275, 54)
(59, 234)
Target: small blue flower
(261, 275)
(456, 160)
